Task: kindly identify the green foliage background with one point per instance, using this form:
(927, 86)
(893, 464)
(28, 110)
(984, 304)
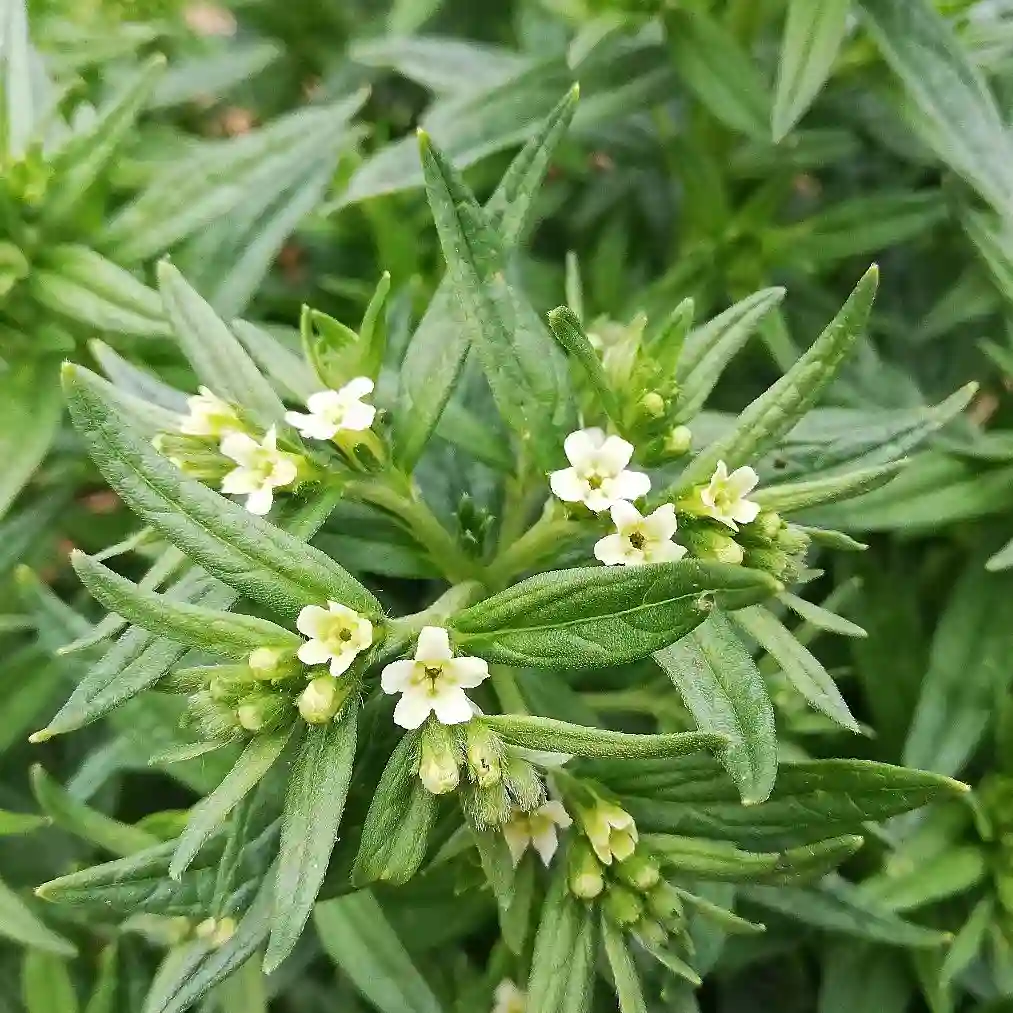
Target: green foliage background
(719, 148)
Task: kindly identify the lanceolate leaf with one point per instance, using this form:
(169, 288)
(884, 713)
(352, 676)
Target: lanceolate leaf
(821, 491)
(314, 803)
(597, 616)
(812, 36)
(724, 691)
(250, 554)
(18, 922)
(624, 971)
(219, 632)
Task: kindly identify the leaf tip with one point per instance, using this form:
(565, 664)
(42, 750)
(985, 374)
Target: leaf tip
(574, 92)
(425, 141)
(42, 735)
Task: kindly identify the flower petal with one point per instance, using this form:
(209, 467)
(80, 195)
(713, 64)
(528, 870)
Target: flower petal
(362, 635)
(260, 500)
(340, 663)
(615, 454)
(357, 388)
(467, 672)
(412, 709)
(517, 838)
(284, 472)
(397, 676)
(314, 652)
(313, 427)
(612, 550)
(742, 481)
(358, 416)
(598, 500)
(567, 485)
(239, 447)
(582, 446)
(666, 552)
(661, 524)
(555, 811)
(240, 481)
(545, 842)
(324, 401)
(745, 510)
(311, 620)
(452, 706)
(625, 516)
(631, 485)
(433, 645)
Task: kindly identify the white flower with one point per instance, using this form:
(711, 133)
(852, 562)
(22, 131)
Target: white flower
(640, 539)
(209, 416)
(509, 998)
(434, 682)
(598, 477)
(262, 468)
(334, 410)
(336, 635)
(537, 828)
(725, 497)
(610, 830)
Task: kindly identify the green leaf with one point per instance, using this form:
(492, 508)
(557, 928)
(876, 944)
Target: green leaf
(81, 820)
(80, 163)
(525, 369)
(821, 491)
(250, 554)
(710, 347)
(812, 800)
(189, 974)
(19, 823)
(556, 942)
(955, 871)
(314, 803)
(218, 358)
(624, 971)
(773, 414)
(19, 923)
(357, 936)
(821, 618)
(103, 996)
(721, 75)
(838, 906)
(812, 37)
(595, 616)
(31, 392)
(228, 634)
(801, 668)
(860, 976)
(256, 760)
(965, 125)
(968, 672)
(45, 984)
(569, 332)
(552, 736)
(395, 836)
(22, 109)
(968, 941)
(724, 691)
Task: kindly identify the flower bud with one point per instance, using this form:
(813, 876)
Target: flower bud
(523, 783)
(216, 931)
(768, 524)
(484, 750)
(213, 720)
(638, 871)
(610, 830)
(272, 663)
(262, 712)
(489, 807)
(772, 561)
(651, 932)
(678, 441)
(622, 905)
(706, 543)
(664, 903)
(653, 404)
(438, 762)
(584, 874)
(196, 456)
(321, 700)
(793, 540)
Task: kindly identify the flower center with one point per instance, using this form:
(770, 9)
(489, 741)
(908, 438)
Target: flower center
(345, 634)
(637, 540)
(433, 672)
(594, 480)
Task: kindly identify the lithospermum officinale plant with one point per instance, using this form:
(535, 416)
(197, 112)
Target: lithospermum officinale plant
(628, 537)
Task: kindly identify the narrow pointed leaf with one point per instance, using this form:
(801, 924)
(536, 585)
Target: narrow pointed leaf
(624, 971)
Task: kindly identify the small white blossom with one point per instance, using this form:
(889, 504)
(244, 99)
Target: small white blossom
(640, 539)
(509, 998)
(262, 468)
(334, 410)
(725, 497)
(209, 416)
(536, 828)
(434, 682)
(598, 476)
(336, 635)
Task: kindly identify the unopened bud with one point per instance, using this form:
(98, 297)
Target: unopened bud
(793, 540)
(705, 543)
(653, 404)
(622, 905)
(523, 783)
(678, 441)
(271, 662)
(584, 873)
(321, 700)
(213, 720)
(664, 903)
(216, 931)
(262, 713)
(488, 807)
(768, 524)
(772, 561)
(484, 750)
(610, 830)
(651, 932)
(438, 761)
(638, 871)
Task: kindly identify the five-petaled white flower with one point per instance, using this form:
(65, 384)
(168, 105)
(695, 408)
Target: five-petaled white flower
(262, 468)
(536, 828)
(724, 498)
(334, 410)
(336, 635)
(598, 476)
(209, 415)
(640, 539)
(509, 998)
(434, 682)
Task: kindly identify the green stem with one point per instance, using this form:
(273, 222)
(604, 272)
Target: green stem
(423, 524)
(504, 682)
(538, 543)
